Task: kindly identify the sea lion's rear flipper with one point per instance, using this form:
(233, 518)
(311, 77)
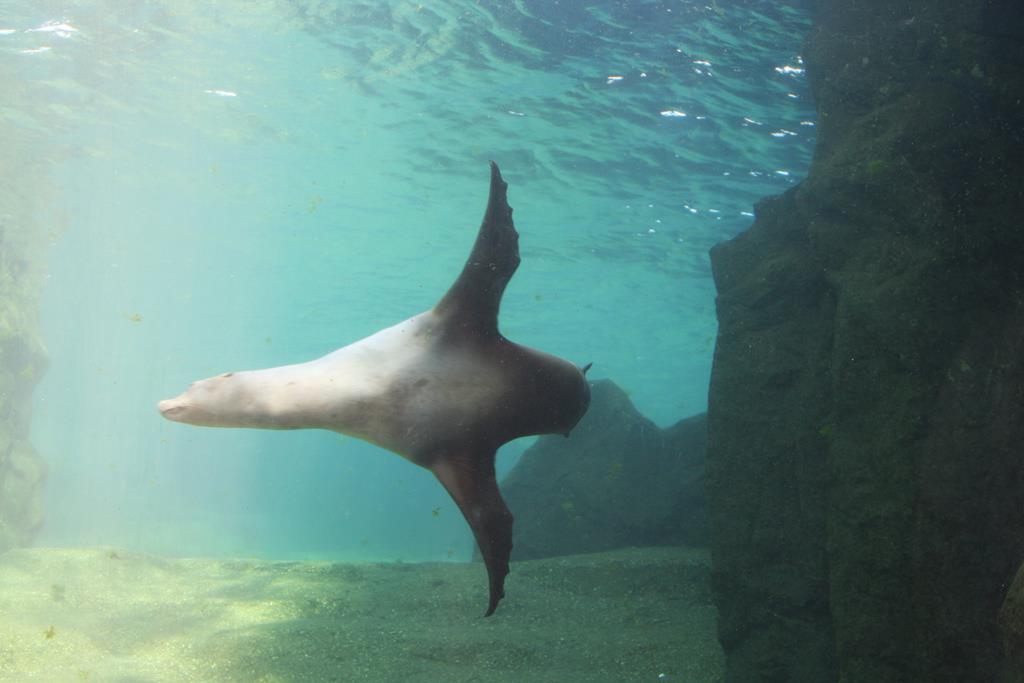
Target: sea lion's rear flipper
(469, 478)
(474, 298)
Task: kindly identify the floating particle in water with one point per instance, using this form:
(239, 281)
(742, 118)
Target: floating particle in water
(614, 471)
(50, 633)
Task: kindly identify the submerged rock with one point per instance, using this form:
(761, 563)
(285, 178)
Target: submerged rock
(619, 481)
(865, 411)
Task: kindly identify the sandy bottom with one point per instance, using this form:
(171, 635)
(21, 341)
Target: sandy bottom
(108, 615)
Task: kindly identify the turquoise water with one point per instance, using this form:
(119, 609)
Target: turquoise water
(236, 185)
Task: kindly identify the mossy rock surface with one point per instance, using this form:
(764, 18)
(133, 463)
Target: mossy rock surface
(23, 184)
(864, 471)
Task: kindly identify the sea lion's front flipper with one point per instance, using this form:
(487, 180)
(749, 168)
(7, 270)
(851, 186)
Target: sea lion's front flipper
(469, 478)
(474, 299)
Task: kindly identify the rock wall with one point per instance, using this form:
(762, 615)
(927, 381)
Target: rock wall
(619, 481)
(866, 409)
(22, 361)
(23, 236)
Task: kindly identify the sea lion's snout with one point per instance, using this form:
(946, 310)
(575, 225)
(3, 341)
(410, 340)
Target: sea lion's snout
(213, 402)
(172, 408)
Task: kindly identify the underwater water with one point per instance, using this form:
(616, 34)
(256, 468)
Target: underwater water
(246, 185)
(215, 187)
(241, 185)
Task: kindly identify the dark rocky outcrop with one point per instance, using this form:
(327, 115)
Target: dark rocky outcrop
(619, 481)
(866, 409)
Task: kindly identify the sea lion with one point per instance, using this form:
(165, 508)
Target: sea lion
(444, 389)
